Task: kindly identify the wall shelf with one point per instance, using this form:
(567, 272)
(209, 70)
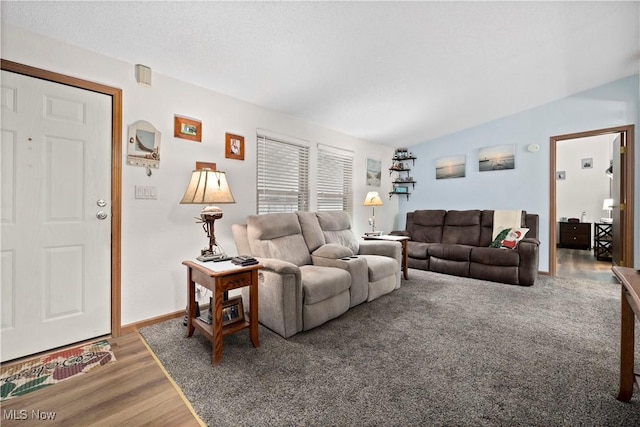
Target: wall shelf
(401, 166)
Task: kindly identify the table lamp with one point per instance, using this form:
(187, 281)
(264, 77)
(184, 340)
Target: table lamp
(607, 205)
(205, 188)
(373, 199)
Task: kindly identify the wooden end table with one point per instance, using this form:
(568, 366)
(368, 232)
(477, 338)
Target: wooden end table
(392, 238)
(630, 309)
(219, 278)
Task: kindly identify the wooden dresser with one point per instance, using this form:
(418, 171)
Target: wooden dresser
(576, 235)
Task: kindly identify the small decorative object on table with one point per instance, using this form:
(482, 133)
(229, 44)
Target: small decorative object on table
(232, 311)
(244, 260)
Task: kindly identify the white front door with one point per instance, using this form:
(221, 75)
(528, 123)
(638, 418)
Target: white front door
(55, 252)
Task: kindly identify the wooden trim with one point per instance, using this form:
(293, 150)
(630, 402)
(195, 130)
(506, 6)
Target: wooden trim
(116, 170)
(132, 327)
(627, 188)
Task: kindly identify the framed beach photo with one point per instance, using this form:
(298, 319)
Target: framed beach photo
(374, 172)
(498, 157)
(451, 167)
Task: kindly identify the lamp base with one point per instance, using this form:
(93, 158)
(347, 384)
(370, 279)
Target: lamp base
(606, 220)
(206, 255)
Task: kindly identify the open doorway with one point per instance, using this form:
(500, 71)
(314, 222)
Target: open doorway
(591, 201)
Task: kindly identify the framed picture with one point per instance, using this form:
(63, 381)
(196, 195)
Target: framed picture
(186, 128)
(234, 146)
(374, 172)
(561, 175)
(232, 311)
(587, 163)
(498, 157)
(451, 167)
(208, 165)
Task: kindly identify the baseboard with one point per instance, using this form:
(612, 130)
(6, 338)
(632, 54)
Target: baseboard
(131, 327)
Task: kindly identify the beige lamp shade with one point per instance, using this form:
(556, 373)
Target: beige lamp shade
(373, 199)
(206, 187)
(607, 205)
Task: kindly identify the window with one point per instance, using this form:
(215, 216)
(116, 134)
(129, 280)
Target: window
(282, 176)
(335, 179)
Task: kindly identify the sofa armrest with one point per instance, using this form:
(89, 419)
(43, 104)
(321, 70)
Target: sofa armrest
(381, 247)
(279, 266)
(357, 269)
(279, 296)
(530, 240)
(528, 270)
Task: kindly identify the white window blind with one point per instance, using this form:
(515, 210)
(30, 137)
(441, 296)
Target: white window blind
(335, 179)
(282, 175)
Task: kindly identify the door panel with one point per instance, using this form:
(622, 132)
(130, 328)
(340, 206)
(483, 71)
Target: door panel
(56, 255)
(616, 192)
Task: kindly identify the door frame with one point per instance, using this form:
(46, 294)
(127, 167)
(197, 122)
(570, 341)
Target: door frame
(626, 183)
(116, 169)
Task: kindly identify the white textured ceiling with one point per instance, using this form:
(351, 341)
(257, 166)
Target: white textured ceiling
(396, 73)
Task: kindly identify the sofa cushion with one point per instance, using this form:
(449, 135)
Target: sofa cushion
(462, 228)
(450, 252)
(497, 242)
(418, 250)
(426, 225)
(495, 256)
(277, 236)
(380, 267)
(512, 239)
(321, 283)
(336, 227)
(311, 230)
(486, 232)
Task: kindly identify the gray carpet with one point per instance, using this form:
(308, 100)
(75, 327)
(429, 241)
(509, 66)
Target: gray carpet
(441, 350)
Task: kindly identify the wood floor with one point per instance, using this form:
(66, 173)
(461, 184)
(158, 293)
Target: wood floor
(581, 264)
(134, 391)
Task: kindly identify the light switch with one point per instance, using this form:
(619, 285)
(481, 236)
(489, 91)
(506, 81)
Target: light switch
(146, 192)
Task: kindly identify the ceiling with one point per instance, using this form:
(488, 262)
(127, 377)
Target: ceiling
(395, 73)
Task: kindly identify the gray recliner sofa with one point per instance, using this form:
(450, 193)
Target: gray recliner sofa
(314, 267)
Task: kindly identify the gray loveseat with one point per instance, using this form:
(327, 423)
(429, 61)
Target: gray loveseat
(314, 267)
(457, 243)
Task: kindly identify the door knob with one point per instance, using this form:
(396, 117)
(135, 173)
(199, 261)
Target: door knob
(101, 215)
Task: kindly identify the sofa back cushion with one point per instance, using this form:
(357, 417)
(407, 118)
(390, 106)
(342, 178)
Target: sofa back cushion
(311, 230)
(277, 236)
(462, 228)
(426, 225)
(336, 227)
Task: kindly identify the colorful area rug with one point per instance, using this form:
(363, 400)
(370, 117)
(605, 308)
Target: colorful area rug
(34, 374)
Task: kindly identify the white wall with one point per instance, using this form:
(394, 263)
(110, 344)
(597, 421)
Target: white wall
(526, 186)
(157, 235)
(583, 190)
